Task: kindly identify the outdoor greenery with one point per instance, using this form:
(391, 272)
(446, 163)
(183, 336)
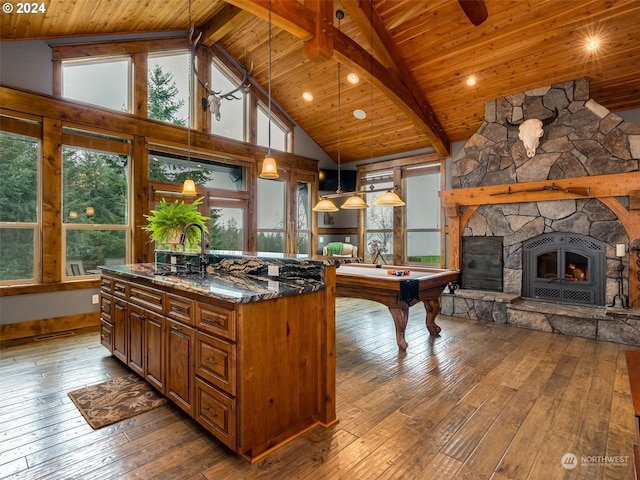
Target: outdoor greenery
(18, 203)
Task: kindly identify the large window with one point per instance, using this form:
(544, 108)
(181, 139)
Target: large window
(94, 202)
(99, 81)
(19, 200)
(421, 188)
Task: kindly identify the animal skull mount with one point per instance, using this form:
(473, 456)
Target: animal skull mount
(530, 131)
(214, 99)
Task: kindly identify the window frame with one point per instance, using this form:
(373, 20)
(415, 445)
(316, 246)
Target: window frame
(27, 126)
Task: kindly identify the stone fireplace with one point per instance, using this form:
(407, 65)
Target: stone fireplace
(558, 216)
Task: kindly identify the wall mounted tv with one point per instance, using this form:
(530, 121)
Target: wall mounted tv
(329, 180)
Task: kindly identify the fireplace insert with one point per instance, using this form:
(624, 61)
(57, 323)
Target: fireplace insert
(564, 267)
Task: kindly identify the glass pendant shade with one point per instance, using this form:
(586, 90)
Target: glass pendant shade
(90, 212)
(325, 205)
(389, 199)
(269, 168)
(354, 202)
(189, 187)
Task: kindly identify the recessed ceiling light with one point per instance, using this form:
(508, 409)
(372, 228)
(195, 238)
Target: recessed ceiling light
(353, 78)
(471, 80)
(359, 114)
(308, 96)
(592, 44)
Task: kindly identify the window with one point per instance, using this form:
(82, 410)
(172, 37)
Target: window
(278, 132)
(208, 173)
(19, 200)
(168, 87)
(379, 228)
(271, 215)
(231, 121)
(103, 81)
(303, 218)
(95, 228)
(227, 231)
(421, 188)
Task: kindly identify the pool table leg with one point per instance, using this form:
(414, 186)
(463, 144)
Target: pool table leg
(433, 308)
(400, 318)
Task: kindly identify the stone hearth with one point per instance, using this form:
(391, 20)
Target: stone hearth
(584, 140)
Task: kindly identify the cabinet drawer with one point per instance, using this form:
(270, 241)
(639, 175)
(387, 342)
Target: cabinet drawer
(216, 412)
(217, 320)
(106, 302)
(120, 288)
(106, 283)
(106, 334)
(180, 308)
(146, 297)
(216, 362)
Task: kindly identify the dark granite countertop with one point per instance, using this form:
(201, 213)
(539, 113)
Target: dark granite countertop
(229, 287)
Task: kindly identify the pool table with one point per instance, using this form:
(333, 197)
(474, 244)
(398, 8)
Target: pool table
(418, 284)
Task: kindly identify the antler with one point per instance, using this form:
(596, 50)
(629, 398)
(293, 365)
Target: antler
(214, 98)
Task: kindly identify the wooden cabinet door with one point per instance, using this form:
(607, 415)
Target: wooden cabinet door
(120, 330)
(154, 362)
(137, 320)
(180, 374)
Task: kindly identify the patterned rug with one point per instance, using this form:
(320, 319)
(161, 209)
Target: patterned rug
(115, 400)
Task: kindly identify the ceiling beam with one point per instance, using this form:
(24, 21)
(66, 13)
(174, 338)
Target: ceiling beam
(225, 21)
(371, 26)
(398, 85)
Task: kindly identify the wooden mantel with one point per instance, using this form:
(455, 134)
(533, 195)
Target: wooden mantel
(602, 187)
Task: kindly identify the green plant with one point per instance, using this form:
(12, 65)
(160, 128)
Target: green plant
(169, 219)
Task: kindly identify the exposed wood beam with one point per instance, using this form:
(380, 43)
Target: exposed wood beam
(383, 46)
(301, 22)
(321, 45)
(352, 54)
(294, 17)
(222, 23)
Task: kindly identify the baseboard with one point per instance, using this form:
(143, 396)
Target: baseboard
(46, 326)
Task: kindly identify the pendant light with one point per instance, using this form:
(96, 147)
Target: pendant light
(269, 166)
(355, 201)
(389, 199)
(189, 186)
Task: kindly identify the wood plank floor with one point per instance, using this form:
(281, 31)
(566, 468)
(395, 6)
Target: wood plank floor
(482, 401)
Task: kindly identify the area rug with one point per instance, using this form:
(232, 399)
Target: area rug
(115, 400)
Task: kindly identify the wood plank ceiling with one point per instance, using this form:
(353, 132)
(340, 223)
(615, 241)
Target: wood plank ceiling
(413, 88)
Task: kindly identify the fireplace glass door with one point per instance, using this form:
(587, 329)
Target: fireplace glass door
(573, 267)
(564, 268)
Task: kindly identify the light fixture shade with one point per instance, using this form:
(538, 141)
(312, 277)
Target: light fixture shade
(189, 187)
(389, 199)
(355, 202)
(325, 205)
(269, 168)
(73, 214)
(90, 212)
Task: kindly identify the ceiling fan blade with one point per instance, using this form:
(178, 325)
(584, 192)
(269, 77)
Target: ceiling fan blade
(475, 10)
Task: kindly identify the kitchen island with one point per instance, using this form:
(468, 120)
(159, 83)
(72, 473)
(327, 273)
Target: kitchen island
(247, 349)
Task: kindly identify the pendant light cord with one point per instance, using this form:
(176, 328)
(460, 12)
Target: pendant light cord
(339, 16)
(190, 93)
(269, 43)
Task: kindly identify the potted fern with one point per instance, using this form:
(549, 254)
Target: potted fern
(168, 220)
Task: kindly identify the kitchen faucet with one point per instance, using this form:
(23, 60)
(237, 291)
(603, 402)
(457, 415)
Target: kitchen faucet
(204, 259)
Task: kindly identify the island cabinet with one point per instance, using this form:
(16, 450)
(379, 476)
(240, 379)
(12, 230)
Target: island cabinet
(254, 374)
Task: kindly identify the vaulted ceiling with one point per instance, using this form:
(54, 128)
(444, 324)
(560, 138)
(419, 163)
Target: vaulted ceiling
(413, 57)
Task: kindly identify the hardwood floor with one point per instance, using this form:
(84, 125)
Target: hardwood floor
(481, 401)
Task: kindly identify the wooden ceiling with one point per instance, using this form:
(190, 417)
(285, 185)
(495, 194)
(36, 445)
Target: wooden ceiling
(423, 52)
